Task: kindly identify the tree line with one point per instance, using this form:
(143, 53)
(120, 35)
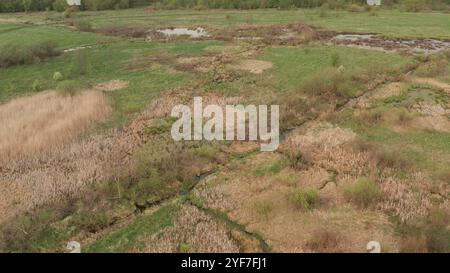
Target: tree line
(61, 5)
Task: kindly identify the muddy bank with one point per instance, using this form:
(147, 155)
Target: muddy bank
(375, 42)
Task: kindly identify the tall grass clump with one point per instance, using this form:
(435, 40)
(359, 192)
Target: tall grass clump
(83, 25)
(328, 84)
(79, 63)
(323, 10)
(325, 240)
(304, 198)
(18, 54)
(435, 67)
(335, 59)
(264, 208)
(364, 192)
(430, 235)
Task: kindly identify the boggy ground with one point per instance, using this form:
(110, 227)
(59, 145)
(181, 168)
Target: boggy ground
(364, 156)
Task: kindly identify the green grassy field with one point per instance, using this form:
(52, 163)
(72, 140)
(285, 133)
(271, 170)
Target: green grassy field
(387, 22)
(390, 23)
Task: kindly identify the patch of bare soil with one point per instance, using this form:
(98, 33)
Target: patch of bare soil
(252, 66)
(111, 85)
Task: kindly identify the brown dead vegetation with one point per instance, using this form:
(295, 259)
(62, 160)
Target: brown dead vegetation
(432, 82)
(193, 231)
(253, 66)
(111, 85)
(28, 128)
(132, 32)
(292, 34)
(287, 228)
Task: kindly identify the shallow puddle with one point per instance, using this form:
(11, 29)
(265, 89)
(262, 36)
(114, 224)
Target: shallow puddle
(193, 33)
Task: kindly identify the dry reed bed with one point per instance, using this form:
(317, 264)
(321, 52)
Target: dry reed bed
(64, 171)
(37, 162)
(32, 124)
(196, 230)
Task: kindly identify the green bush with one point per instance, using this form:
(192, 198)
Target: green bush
(304, 198)
(184, 248)
(36, 86)
(364, 192)
(60, 5)
(15, 54)
(79, 63)
(414, 5)
(91, 221)
(335, 59)
(437, 66)
(437, 232)
(83, 25)
(57, 76)
(68, 87)
(123, 4)
(323, 10)
(264, 208)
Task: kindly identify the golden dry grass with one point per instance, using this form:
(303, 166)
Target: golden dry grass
(253, 66)
(288, 229)
(32, 124)
(111, 85)
(196, 231)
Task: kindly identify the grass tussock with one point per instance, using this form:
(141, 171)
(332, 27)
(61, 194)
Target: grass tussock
(304, 199)
(437, 66)
(431, 235)
(325, 240)
(264, 208)
(83, 25)
(20, 54)
(392, 158)
(363, 193)
(32, 124)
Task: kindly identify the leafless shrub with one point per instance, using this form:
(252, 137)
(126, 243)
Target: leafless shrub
(414, 244)
(325, 240)
(132, 32)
